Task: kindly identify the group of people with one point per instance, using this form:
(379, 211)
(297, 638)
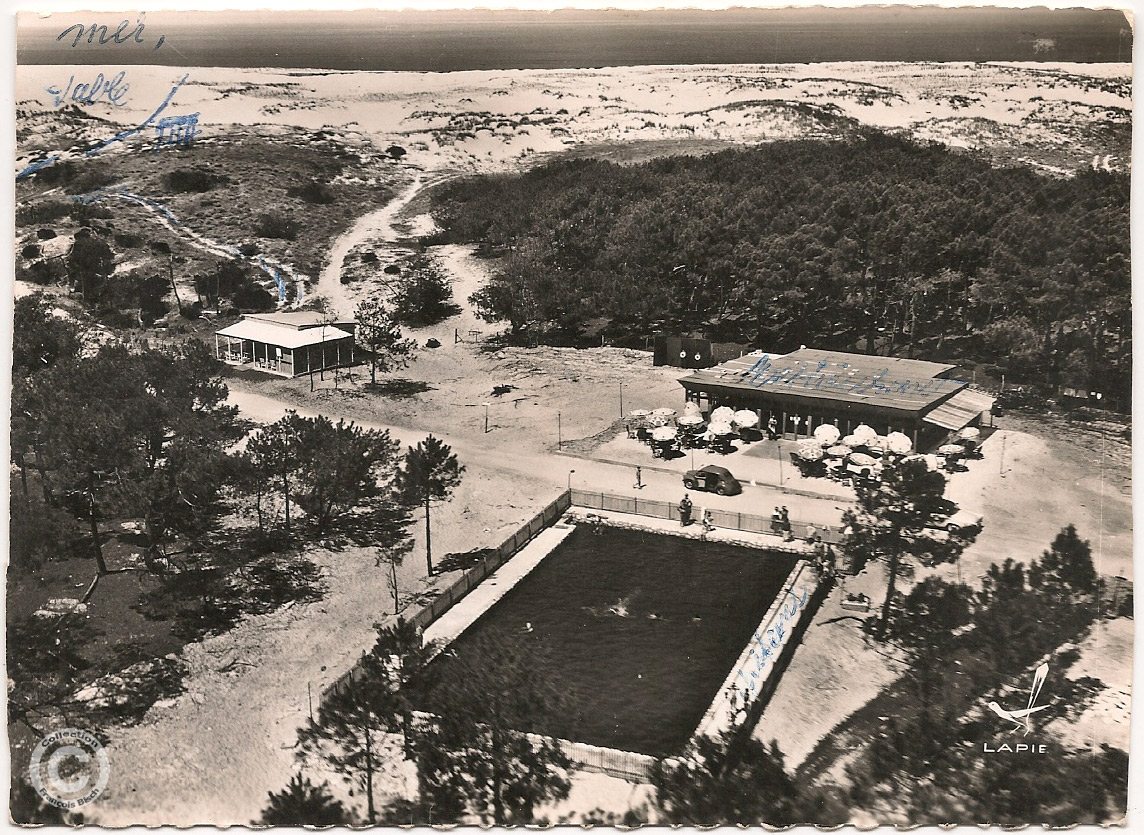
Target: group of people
(685, 508)
(780, 523)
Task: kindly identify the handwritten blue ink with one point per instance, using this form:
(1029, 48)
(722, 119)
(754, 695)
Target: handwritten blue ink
(176, 130)
(123, 192)
(145, 123)
(36, 166)
(762, 373)
(113, 90)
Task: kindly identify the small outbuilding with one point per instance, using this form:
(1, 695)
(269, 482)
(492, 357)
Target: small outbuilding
(287, 344)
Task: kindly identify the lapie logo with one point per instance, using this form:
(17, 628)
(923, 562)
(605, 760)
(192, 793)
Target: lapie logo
(1022, 718)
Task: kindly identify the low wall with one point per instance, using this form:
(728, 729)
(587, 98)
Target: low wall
(756, 672)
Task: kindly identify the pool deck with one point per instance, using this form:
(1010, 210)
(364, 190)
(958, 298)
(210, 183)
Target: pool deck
(485, 594)
(730, 536)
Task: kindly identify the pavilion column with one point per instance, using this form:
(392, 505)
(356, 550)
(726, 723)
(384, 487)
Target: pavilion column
(216, 347)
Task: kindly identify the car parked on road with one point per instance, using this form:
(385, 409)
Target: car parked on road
(963, 520)
(713, 479)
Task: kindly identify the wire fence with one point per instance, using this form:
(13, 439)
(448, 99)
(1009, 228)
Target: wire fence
(730, 519)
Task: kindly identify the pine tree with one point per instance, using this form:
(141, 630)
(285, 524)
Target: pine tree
(430, 474)
(377, 330)
(302, 803)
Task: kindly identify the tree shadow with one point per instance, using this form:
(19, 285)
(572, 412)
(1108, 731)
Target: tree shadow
(465, 560)
(398, 387)
(212, 593)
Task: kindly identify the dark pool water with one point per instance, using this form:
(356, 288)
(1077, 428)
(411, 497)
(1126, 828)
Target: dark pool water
(638, 629)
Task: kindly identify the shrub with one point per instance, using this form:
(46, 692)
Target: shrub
(193, 179)
(31, 251)
(45, 234)
(44, 212)
(248, 248)
(274, 225)
(313, 192)
(87, 212)
(395, 151)
(254, 298)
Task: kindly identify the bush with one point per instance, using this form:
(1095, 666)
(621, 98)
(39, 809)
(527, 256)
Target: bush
(193, 179)
(31, 251)
(274, 225)
(248, 248)
(254, 298)
(313, 192)
(45, 234)
(44, 212)
(87, 212)
(128, 240)
(395, 151)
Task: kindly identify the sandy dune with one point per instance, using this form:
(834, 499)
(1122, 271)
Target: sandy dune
(1049, 114)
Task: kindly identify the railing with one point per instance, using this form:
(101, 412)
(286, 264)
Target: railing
(469, 579)
(626, 765)
(730, 519)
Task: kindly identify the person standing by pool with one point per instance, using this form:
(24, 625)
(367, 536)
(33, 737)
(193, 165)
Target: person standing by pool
(785, 519)
(777, 522)
(772, 428)
(685, 512)
(708, 525)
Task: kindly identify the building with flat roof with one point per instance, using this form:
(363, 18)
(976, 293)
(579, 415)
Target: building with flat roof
(809, 387)
(287, 344)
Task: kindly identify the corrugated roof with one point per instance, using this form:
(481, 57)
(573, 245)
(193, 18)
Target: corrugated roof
(960, 410)
(285, 337)
(294, 319)
(894, 383)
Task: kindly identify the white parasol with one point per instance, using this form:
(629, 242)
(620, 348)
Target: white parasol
(899, 442)
(690, 420)
(969, 433)
(810, 453)
(852, 440)
(866, 433)
(663, 433)
(691, 408)
(663, 412)
(723, 414)
(827, 434)
(746, 419)
(951, 449)
(639, 413)
(718, 427)
(839, 450)
(862, 459)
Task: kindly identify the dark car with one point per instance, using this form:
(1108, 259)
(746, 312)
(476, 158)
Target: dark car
(712, 479)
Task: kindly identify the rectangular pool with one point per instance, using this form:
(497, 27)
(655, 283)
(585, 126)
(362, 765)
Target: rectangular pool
(639, 630)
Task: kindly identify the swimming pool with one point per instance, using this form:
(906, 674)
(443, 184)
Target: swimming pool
(638, 629)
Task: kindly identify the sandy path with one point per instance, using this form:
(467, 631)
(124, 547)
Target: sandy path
(374, 226)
